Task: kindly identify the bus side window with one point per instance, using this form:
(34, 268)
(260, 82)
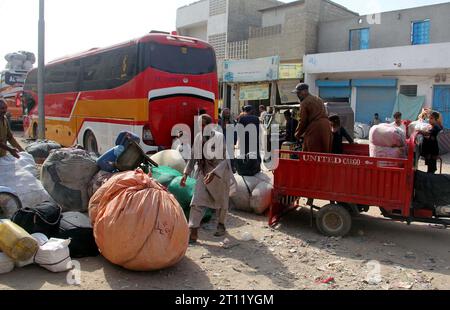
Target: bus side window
(121, 66)
(93, 75)
(109, 70)
(72, 73)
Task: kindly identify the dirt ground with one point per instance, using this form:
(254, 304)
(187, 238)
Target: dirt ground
(291, 257)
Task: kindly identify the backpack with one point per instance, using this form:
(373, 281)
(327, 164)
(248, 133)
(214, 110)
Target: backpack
(77, 227)
(44, 219)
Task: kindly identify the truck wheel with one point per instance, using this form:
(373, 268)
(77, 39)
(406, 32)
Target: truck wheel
(90, 142)
(334, 221)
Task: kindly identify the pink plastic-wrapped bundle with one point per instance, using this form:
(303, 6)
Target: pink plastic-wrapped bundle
(387, 135)
(388, 152)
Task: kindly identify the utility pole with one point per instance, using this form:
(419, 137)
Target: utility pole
(41, 71)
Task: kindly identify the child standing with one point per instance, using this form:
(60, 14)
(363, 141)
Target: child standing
(430, 147)
(339, 133)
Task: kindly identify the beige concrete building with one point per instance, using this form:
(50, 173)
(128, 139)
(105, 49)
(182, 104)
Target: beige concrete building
(291, 30)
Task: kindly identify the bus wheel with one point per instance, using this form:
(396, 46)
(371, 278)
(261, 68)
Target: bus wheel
(90, 142)
(334, 221)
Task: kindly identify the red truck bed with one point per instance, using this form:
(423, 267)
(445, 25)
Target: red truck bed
(353, 178)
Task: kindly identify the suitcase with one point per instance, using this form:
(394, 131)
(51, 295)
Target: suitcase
(77, 227)
(44, 219)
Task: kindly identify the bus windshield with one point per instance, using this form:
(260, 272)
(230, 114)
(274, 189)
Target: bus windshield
(177, 59)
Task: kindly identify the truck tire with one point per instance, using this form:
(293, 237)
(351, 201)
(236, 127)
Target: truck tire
(334, 221)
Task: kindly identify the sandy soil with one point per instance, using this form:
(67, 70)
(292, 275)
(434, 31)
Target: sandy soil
(293, 256)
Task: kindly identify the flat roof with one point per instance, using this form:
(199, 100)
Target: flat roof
(298, 2)
(188, 5)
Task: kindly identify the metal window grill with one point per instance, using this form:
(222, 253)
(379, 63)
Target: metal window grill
(408, 90)
(237, 50)
(217, 7)
(257, 32)
(219, 42)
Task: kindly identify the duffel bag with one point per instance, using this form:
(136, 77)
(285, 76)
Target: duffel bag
(77, 227)
(44, 219)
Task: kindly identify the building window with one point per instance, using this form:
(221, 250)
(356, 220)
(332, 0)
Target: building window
(359, 39)
(420, 32)
(408, 90)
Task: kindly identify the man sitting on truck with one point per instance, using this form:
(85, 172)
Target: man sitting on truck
(6, 135)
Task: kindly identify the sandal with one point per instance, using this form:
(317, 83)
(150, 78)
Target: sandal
(193, 238)
(221, 231)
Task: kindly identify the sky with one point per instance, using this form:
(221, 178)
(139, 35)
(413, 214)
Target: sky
(73, 26)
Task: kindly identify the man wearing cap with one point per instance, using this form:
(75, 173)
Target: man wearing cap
(314, 125)
(6, 135)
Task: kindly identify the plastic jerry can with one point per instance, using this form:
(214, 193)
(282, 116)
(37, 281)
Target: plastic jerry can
(125, 136)
(16, 242)
(107, 162)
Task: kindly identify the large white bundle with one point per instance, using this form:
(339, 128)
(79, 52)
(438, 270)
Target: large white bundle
(15, 56)
(252, 194)
(6, 264)
(9, 57)
(27, 65)
(261, 198)
(18, 175)
(170, 158)
(20, 61)
(241, 192)
(418, 126)
(15, 64)
(54, 255)
(362, 131)
(26, 162)
(29, 56)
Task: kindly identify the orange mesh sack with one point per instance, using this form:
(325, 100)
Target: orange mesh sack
(137, 224)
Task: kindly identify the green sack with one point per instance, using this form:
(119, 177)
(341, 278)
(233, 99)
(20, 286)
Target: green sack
(184, 196)
(165, 175)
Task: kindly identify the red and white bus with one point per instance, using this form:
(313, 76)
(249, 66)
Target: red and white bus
(145, 86)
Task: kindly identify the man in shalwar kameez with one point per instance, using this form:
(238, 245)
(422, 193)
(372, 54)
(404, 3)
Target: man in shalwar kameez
(213, 176)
